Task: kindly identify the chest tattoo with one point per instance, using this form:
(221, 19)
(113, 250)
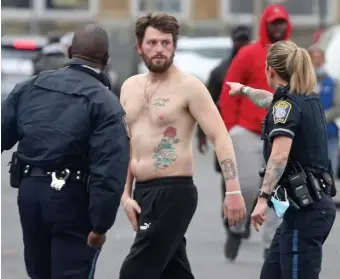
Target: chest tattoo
(160, 102)
(165, 153)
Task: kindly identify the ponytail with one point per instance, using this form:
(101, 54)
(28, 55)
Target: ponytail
(301, 71)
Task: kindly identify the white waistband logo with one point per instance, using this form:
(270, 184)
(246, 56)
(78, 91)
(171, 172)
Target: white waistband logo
(145, 226)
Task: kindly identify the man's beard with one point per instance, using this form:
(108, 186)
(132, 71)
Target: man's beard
(158, 68)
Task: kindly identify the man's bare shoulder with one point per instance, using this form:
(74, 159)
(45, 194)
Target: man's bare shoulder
(193, 85)
(133, 81)
(129, 85)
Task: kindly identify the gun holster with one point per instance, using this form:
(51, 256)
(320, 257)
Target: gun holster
(15, 170)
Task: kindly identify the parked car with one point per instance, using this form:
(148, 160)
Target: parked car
(199, 55)
(17, 56)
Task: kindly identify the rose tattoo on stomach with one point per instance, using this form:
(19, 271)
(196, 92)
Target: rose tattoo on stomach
(165, 153)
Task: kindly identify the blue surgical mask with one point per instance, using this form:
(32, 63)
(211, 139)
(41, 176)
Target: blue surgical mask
(280, 206)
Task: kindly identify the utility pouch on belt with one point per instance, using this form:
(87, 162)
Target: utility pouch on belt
(15, 170)
(298, 187)
(315, 187)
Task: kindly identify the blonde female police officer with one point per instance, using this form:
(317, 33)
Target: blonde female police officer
(298, 176)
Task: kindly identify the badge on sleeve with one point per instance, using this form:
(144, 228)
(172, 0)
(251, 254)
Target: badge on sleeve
(126, 125)
(281, 111)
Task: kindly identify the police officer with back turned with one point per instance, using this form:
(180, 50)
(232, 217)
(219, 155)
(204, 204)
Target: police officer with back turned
(298, 179)
(71, 161)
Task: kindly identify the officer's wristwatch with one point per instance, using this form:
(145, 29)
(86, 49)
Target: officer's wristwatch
(263, 194)
(244, 90)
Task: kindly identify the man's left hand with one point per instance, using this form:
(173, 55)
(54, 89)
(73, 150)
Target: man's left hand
(258, 216)
(234, 209)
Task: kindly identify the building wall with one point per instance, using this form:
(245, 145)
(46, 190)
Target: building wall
(205, 10)
(117, 9)
(201, 18)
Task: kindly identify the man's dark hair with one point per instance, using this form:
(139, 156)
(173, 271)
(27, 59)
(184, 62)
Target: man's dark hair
(91, 43)
(160, 21)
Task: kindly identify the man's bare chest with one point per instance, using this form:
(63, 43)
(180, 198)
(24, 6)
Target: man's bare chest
(160, 110)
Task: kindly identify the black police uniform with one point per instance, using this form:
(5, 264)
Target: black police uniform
(295, 252)
(65, 120)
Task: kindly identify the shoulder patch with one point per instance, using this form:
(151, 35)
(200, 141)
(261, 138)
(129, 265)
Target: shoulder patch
(281, 111)
(126, 125)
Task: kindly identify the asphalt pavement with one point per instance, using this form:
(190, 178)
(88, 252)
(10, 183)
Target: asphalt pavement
(205, 237)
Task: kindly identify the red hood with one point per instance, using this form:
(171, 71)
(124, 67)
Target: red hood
(272, 12)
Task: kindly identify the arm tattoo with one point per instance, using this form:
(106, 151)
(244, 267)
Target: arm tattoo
(228, 169)
(274, 171)
(261, 98)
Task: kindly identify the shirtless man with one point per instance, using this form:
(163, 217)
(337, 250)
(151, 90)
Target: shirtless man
(162, 108)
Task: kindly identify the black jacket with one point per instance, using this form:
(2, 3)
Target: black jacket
(58, 117)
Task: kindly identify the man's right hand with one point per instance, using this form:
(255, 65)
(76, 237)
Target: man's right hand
(131, 209)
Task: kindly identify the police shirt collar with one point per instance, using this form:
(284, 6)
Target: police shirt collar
(280, 92)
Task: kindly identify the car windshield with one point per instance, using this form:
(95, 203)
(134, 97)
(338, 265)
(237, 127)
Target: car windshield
(18, 53)
(215, 53)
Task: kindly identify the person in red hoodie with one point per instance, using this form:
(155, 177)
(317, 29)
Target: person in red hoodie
(244, 120)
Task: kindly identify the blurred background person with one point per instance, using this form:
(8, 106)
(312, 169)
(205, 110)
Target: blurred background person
(240, 36)
(329, 93)
(244, 120)
(51, 57)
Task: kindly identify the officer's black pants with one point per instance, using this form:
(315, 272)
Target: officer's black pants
(296, 249)
(55, 227)
(159, 250)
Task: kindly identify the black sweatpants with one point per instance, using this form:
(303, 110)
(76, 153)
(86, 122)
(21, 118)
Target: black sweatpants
(159, 250)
